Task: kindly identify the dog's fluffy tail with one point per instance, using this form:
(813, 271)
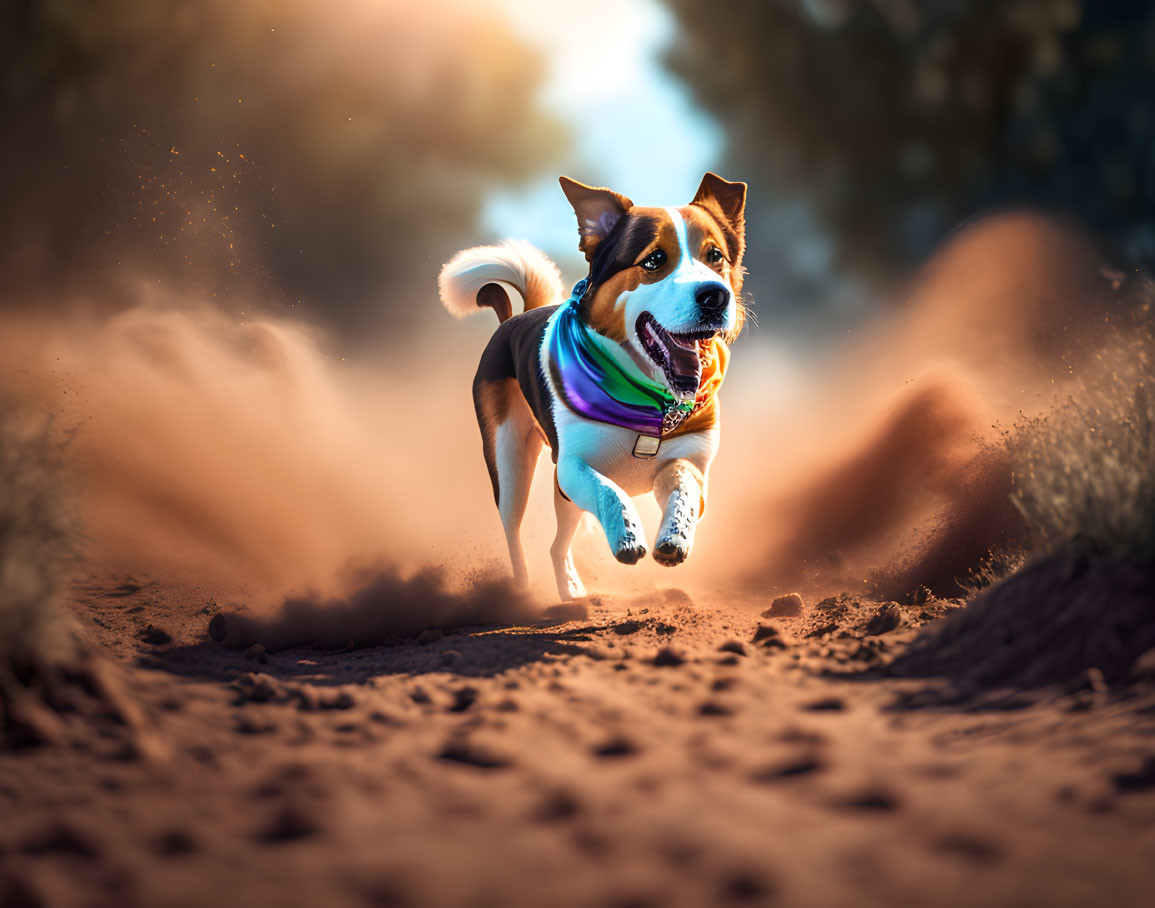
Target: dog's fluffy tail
(479, 278)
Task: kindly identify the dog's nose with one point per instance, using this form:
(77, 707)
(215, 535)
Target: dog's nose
(713, 299)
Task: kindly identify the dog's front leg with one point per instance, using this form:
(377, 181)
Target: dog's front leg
(680, 487)
(602, 497)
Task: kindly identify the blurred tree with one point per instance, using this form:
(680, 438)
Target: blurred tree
(332, 153)
(889, 121)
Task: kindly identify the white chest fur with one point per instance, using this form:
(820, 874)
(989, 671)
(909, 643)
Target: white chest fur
(609, 449)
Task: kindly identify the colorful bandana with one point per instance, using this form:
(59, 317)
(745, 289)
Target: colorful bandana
(596, 385)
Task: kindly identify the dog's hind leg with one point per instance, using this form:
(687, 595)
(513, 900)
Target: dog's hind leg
(512, 442)
(569, 515)
(518, 446)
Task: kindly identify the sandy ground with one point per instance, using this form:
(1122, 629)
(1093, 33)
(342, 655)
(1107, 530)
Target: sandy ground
(654, 750)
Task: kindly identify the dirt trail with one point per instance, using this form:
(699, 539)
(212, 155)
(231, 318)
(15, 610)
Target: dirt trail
(650, 751)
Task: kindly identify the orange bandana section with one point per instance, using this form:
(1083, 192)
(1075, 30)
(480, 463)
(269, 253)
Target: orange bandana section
(715, 359)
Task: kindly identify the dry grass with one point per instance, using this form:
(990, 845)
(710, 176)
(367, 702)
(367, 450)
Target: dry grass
(1086, 475)
(37, 535)
(54, 688)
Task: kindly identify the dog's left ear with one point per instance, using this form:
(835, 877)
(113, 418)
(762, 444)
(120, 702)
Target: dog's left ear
(597, 210)
(726, 201)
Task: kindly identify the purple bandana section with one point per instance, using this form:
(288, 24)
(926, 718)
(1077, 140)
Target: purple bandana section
(595, 386)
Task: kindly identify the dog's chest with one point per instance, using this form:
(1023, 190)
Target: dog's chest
(610, 449)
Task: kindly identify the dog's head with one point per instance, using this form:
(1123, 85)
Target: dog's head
(663, 281)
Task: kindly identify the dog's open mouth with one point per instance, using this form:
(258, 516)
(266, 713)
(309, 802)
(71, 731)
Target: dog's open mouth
(678, 355)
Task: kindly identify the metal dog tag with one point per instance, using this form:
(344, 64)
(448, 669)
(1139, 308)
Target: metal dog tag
(646, 446)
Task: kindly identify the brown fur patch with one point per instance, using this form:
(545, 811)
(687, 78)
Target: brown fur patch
(604, 313)
(491, 400)
(704, 227)
(495, 297)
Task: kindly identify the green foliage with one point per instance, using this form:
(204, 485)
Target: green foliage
(892, 120)
(328, 152)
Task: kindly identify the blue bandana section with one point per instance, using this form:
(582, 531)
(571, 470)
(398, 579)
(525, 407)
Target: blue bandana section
(595, 384)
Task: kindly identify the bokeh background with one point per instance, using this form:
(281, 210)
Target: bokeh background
(224, 219)
(326, 158)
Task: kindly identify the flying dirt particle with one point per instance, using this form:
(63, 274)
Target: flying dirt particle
(18, 891)
(745, 886)
(469, 752)
(970, 847)
(257, 688)
(340, 699)
(627, 627)
(174, 843)
(808, 736)
(617, 746)
(286, 778)
(865, 653)
(825, 705)
(1090, 680)
(257, 653)
(155, 636)
(251, 725)
(886, 619)
(62, 838)
(1143, 779)
(871, 798)
(770, 637)
(788, 606)
(1144, 666)
(668, 657)
(463, 698)
(732, 646)
(791, 768)
(308, 698)
(556, 806)
(430, 635)
(290, 823)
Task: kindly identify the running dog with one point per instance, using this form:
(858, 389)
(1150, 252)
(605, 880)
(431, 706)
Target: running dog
(621, 380)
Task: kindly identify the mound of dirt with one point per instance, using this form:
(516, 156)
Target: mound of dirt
(1046, 624)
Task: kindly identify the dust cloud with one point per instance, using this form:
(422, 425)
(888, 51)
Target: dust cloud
(246, 449)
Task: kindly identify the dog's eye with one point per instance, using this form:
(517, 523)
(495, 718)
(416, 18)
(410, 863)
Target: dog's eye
(654, 260)
(714, 256)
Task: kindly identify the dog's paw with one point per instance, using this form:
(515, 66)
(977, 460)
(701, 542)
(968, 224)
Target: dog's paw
(670, 553)
(630, 548)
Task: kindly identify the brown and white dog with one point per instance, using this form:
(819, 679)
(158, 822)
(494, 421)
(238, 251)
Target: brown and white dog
(621, 379)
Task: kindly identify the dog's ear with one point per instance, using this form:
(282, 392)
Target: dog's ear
(597, 210)
(726, 201)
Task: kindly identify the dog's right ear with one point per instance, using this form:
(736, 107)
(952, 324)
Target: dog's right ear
(597, 210)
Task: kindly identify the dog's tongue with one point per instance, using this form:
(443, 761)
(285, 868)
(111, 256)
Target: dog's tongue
(685, 369)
